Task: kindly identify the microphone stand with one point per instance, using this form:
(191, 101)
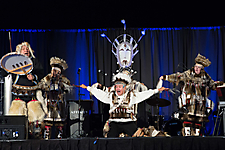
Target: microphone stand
(79, 107)
(101, 111)
(103, 84)
(215, 126)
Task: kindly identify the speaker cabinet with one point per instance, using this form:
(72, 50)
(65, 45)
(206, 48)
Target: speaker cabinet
(13, 127)
(79, 125)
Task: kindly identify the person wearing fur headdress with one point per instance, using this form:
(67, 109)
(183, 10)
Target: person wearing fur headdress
(134, 85)
(55, 85)
(36, 74)
(31, 79)
(193, 101)
(121, 100)
(25, 89)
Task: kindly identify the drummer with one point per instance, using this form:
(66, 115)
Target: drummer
(121, 101)
(30, 79)
(24, 87)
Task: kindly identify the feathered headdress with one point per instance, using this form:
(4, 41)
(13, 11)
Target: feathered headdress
(58, 61)
(202, 60)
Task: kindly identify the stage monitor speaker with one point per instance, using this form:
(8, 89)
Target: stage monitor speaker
(74, 120)
(85, 109)
(13, 127)
(74, 130)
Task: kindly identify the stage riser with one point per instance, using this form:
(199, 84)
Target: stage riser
(156, 143)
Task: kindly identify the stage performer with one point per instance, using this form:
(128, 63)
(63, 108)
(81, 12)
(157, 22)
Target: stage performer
(193, 100)
(24, 90)
(134, 86)
(55, 86)
(122, 100)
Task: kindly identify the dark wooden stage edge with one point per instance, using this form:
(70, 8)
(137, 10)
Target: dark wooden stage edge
(139, 143)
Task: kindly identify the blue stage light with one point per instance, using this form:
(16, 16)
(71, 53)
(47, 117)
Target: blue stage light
(143, 32)
(123, 21)
(103, 35)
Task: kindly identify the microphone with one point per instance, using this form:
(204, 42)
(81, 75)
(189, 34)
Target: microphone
(78, 72)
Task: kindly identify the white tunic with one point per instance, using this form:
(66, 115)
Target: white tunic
(135, 98)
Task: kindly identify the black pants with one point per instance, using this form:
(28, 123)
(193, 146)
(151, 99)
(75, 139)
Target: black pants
(24, 98)
(117, 128)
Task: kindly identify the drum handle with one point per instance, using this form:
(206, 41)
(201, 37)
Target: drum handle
(25, 73)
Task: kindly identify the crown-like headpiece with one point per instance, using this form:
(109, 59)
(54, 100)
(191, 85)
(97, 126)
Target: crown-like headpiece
(124, 47)
(58, 61)
(202, 60)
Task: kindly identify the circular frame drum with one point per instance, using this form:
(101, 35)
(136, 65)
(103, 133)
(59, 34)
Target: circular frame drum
(16, 63)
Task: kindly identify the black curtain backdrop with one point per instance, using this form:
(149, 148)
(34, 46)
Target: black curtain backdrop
(161, 51)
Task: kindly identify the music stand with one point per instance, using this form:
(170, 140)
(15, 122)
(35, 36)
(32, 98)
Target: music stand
(79, 105)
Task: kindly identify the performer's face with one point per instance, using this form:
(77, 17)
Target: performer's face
(55, 73)
(25, 51)
(120, 89)
(197, 69)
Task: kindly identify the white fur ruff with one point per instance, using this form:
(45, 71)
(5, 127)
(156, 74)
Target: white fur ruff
(122, 76)
(35, 111)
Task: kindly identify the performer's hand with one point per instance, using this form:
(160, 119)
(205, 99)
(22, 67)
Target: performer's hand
(99, 86)
(160, 78)
(219, 83)
(30, 77)
(208, 111)
(163, 89)
(83, 86)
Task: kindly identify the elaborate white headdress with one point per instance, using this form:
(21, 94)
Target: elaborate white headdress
(124, 47)
(19, 47)
(124, 74)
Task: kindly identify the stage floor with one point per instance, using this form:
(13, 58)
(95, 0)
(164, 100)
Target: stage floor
(137, 143)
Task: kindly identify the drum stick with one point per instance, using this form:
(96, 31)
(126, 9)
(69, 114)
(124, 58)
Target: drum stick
(10, 42)
(17, 68)
(76, 85)
(25, 73)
